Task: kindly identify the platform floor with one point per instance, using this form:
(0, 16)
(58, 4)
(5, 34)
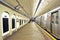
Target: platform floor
(31, 31)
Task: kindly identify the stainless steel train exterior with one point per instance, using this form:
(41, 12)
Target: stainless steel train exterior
(50, 21)
(10, 21)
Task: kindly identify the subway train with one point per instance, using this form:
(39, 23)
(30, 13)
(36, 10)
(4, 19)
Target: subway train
(50, 21)
(10, 21)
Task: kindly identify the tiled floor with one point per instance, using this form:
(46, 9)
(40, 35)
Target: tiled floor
(29, 32)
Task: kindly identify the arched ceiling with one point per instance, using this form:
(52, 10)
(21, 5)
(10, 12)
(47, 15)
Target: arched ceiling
(47, 5)
(29, 6)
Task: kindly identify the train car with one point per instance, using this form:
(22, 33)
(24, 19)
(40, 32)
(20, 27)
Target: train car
(55, 23)
(42, 20)
(50, 21)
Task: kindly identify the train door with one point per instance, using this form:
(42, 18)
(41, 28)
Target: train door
(5, 23)
(54, 22)
(13, 22)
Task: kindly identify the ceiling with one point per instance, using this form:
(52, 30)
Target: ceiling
(29, 6)
(47, 5)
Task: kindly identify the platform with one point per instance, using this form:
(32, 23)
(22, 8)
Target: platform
(31, 31)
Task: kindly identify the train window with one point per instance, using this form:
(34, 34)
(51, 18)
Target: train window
(52, 21)
(5, 23)
(55, 15)
(57, 18)
(52, 18)
(13, 23)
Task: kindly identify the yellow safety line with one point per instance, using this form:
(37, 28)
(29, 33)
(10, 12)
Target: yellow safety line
(48, 34)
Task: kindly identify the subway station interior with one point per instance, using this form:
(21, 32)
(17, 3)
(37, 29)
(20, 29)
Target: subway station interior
(29, 19)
